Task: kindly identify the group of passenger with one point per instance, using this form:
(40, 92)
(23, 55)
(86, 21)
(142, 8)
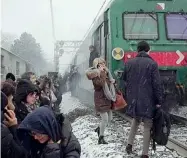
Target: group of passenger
(143, 93)
(30, 125)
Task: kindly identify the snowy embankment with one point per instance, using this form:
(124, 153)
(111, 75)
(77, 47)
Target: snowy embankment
(181, 111)
(84, 122)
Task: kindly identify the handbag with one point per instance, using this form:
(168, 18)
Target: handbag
(120, 102)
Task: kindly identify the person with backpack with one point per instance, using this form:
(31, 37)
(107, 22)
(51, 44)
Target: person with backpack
(143, 94)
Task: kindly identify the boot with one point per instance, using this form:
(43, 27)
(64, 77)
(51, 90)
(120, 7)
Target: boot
(129, 149)
(97, 130)
(144, 156)
(101, 140)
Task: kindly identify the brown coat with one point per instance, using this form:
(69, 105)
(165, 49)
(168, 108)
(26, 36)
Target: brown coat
(102, 104)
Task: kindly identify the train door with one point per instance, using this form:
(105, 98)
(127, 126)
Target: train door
(102, 42)
(96, 40)
(99, 41)
(105, 34)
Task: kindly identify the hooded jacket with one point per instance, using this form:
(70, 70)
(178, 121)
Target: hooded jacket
(43, 121)
(24, 88)
(10, 145)
(102, 104)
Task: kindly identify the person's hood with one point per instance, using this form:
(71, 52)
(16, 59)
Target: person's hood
(42, 120)
(24, 87)
(4, 102)
(92, 73)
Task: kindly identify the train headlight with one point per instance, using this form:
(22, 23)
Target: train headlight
(118, 53)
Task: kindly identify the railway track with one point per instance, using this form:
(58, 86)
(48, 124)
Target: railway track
(173, 143)
(178, 119)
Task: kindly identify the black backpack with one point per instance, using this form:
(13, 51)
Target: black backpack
(161, 128)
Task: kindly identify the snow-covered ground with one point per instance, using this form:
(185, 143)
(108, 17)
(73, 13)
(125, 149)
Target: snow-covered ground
(181, 111)
(69, 103)
(116, 134)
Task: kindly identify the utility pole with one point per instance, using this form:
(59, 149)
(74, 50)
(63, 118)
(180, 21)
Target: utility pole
(56, 59)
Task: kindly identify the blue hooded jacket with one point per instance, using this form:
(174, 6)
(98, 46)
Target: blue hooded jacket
(43, 121)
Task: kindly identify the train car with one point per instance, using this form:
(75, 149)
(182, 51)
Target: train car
(162, 23)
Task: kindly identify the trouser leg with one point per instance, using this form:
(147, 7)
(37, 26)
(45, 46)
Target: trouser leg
(146, 136)
(104, 122)
(110, 116)
(134, 128)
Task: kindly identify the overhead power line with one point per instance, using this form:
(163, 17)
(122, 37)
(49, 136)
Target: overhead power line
(94, 20)
(52, 20)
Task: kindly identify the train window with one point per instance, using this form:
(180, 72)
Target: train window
(140, 26)
(176, 26)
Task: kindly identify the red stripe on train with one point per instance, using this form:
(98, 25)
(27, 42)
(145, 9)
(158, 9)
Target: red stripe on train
(163, 58)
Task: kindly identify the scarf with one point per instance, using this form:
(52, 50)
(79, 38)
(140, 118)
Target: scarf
(110, 91)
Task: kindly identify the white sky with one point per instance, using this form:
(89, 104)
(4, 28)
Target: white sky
(72, 19)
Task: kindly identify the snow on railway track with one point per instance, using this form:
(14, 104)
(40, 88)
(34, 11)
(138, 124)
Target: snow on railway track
(84, 122)
(181, 111)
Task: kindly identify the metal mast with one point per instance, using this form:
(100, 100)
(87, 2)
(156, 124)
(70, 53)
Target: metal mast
(56, 60)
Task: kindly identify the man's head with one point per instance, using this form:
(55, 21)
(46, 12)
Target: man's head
(29, 76)
(143, 46)
(10, 76)
(9, 90)
(91, 48)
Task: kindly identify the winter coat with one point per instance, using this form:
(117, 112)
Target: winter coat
(93, 55)
(24, 88)
(102, 104)
(43, 120)
(10, 145)
(143, 86)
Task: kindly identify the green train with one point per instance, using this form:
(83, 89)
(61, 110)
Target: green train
(115, 34)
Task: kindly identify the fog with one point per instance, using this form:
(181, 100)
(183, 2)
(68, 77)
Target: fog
(72, 18)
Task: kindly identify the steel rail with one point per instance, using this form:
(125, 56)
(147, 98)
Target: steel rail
(179, 118)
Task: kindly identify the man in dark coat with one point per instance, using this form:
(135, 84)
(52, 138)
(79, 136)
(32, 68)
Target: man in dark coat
(143, 92)
(93, 55)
